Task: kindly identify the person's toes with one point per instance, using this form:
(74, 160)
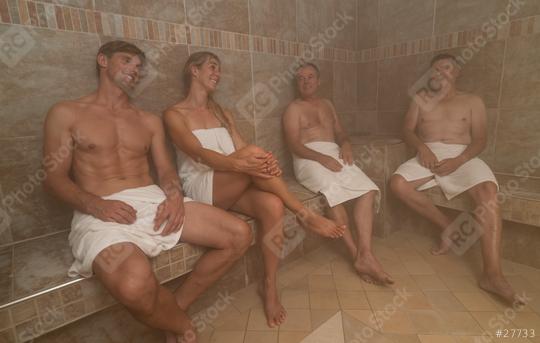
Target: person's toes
(367, 278)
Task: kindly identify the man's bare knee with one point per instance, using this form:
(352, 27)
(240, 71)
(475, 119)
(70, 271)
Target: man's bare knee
(398, 185)
(239, 238)
(138, 292)
(485, 193)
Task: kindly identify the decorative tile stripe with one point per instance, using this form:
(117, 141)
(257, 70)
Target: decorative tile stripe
(59, 17)
(520, 27)
(4, 12)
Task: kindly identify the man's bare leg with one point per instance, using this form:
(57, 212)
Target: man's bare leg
(338, 214)
(406, 192)
(366, 264)
(226, 235)
(268, 210)
(489, 217)
(126, 273)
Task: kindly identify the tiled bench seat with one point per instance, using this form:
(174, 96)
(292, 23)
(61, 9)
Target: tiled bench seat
(519, 207)
(37, 296)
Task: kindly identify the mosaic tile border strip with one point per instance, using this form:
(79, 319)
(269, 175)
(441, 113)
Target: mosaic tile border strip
(73, 19)
(66, 18)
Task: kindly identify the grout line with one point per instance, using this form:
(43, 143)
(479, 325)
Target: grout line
(252, 74)
(498, 116)
(357, 54)
(187, 28)
(434, 16)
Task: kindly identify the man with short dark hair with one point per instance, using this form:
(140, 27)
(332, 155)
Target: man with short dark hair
(447, 128)
(323, 162)
(121, 216)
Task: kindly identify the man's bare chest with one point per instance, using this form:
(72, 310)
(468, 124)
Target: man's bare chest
(315, 118)
(100, 134)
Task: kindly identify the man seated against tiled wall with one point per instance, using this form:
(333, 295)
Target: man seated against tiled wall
(447, 128)
(121, 216)
(323, 162)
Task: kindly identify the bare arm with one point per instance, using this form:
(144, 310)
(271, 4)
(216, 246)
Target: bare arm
(426, 157)
(341, 134)
(342, 138)
(172, 209)
(478, 130)
(237, 139)
(478, 140)
(185, 140)
(409, 127)
(58, 135)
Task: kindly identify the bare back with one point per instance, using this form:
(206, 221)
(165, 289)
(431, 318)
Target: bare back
(316, 120)
(449, 122)
(110, 149)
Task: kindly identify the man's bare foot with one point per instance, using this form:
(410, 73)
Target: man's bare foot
(188, 337)
(443, 247)
(274, 311)
(371, 271)
(500, 287)
(319, 224)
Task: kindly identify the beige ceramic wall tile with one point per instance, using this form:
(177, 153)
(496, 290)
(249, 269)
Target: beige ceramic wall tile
(452, 16)
(229, 16)
(275, 18)
(416, 16)
(166, 10)
(368, 24)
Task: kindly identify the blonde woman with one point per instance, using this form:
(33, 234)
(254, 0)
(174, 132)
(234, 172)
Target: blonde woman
(218, 167)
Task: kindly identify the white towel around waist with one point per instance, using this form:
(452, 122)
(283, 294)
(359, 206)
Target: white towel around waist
(90, 235)
(468, 175)
(337, 187)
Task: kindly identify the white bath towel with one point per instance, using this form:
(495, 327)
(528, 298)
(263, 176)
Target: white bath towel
(337, 187)
(470, 174)
(197, 178)
(90, 235)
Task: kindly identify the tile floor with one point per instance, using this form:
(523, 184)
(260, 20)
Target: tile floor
(435, 300)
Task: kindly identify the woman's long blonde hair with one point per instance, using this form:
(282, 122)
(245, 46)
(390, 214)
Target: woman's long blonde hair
(197, 59)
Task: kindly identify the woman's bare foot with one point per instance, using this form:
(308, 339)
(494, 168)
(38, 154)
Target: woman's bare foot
(371, 271)
(274, 311)
(443, 247)
(500, 287)
(319, 224)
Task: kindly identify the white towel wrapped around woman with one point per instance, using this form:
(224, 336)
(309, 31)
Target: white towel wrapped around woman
(198, 178)
(468, 175)
(337, 187)
(90, 235)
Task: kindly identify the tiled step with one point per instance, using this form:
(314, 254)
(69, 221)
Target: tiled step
(519, 207)
(38, 297)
